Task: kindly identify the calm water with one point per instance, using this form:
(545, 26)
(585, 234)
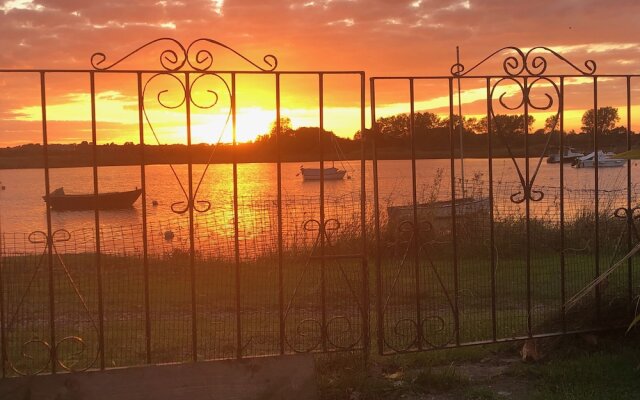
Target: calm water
(22, 209)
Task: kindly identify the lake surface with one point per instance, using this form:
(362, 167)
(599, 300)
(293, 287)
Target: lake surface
(22, 209)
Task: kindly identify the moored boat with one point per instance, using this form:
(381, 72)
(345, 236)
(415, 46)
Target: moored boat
(604, 160)
(439, 210)
(59, 200)
(329, 174)
(569, 156)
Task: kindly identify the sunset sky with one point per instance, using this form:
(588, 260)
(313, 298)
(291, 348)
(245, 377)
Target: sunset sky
(378, 37)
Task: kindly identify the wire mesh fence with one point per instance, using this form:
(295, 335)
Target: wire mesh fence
(483, 291)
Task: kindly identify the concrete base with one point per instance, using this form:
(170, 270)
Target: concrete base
(269, 378)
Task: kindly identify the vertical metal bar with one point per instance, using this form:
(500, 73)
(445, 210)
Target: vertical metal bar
(460, 128)
(96, 214)
(563, 284)
(323, 285)
(3, 338)
(630, 220)
(47, 189)
(416, 228)
(236, 229)
(597, 189)
(192, 249)
(280, 253)
(363, 227)
(145, 239)
(527, 193)
(376, 217)
(492, 242)
(454, 238)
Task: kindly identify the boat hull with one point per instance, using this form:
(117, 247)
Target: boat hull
(439, 212)
(601, 164)
(330, 174)
(104, 201)
(555, 159)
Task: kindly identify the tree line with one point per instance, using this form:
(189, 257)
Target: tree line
(431, 139)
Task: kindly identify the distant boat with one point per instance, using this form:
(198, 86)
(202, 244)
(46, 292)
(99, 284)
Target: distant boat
(59, 200)
(604, 160)
(569, 156)
(330, 174)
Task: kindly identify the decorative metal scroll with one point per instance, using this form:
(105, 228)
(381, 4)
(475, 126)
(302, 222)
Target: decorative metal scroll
(526, 71)
(184, 94)
(631, 215)
(431, 328)
(526, 63)
(198, 56)
(338, 330)
(78, 345)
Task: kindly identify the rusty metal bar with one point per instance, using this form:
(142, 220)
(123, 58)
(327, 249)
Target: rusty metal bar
(192, 249)
(3, 337)
(363, 217)
(281, 304)
(492, 241)
(96, 214)
(527, 196)
(563, 283)
(47, 189)
(416, 227)
(597, 189)
(145, 239)
(454, 236)
(376, 217)
(236, 227)
(629, 208)
(323, 284)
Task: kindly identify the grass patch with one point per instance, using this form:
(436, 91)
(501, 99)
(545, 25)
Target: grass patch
(432, 380)
(481, 393)
(345, 376)
(576, 371)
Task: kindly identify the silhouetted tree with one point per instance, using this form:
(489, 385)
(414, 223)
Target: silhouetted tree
(607, 119)
(509, 126)
(552, 124)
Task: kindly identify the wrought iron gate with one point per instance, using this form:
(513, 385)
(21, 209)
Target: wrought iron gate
(230, 275)
(498, 258)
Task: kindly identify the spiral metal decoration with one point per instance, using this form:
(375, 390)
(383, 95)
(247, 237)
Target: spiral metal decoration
(175, 94)
(526, 70)
(176, 58)
(410, 333)
(197, 56)
(631, 215)
(338, 331)
(525, 88)
(526, 63)
(38, 350)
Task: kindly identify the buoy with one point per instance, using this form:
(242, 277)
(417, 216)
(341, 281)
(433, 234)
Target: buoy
(168, 235)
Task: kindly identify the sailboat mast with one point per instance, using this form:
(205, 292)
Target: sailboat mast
(460, 128)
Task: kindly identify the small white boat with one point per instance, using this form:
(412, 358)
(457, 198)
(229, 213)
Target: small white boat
(330, 174)
(604, 160)
(569, 156)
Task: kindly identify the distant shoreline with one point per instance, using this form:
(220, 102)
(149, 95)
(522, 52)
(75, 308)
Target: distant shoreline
(76, 156)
